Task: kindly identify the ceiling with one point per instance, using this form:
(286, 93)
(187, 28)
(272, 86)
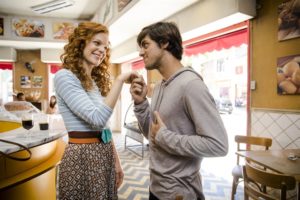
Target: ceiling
(139, 14)
(82, 9)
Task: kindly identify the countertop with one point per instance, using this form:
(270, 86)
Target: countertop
(35, 138)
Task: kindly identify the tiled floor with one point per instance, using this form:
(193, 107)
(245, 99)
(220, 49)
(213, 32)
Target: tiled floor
(216, 178)
(216, 172)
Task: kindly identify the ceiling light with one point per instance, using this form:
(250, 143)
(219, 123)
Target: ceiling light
(51, 6)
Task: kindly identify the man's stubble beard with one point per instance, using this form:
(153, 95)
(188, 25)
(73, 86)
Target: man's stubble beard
(153, 66)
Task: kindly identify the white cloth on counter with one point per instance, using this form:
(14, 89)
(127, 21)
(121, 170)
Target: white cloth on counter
(5, 115)
(18, 108)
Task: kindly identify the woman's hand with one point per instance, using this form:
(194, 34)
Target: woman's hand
(116, 88)
(119, 174)
(128, 77)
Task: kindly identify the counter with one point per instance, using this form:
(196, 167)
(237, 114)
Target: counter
(36, 177)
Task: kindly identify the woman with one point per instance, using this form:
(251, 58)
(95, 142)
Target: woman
(52, 108)
(90, 168)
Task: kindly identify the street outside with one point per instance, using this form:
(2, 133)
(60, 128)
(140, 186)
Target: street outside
(235, 124)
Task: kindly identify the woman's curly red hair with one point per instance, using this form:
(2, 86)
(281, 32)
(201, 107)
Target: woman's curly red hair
(73, 56)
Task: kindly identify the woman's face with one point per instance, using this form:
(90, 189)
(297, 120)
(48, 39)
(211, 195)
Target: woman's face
(52, 99)
(95, 50)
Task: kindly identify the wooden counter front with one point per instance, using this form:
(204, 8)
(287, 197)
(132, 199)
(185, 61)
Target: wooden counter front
(35, 178)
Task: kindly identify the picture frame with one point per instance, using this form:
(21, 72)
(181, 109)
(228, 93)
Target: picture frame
(37, 82)
(107, 11)
(288, 20)
(25, 81)
(23, 27)
(288, 75)
(122, 4)
(62, 30)
(1, 26)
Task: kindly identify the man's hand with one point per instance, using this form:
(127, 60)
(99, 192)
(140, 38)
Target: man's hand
(138, 90)
(156, 125)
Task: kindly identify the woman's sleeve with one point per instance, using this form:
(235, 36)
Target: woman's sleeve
(69, 88)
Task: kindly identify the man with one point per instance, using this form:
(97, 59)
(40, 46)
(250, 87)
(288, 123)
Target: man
(182, 124)
(20, 106)
(21, 96)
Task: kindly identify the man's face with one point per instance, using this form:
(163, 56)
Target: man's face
(151, 53)
(22, 98)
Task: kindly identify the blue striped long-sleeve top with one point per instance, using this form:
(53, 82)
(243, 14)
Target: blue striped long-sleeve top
(80, 110)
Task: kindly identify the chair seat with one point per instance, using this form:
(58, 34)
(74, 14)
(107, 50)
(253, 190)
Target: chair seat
(237, 171)
(245, 143)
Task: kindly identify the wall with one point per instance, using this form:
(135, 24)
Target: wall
(115, 120)
(7, 54)
(51, 55)
(198, 19)
(33, 57)
(51, 47)
(266, 50)
(272, 115)
(47, 41)
(153, 76)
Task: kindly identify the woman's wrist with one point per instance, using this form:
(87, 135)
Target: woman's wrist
(120, 79)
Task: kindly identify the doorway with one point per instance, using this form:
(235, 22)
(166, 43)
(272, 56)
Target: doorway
(222, 61)
(6, 89)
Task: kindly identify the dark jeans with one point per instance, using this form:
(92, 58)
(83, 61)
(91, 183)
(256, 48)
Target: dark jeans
(152, 197)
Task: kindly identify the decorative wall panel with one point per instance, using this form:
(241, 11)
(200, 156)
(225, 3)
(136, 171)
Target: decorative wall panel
(283, 127)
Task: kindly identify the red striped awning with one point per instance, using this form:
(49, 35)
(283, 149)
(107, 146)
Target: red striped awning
(137, 65)
(222, 42)
(5, 65)
(54, 68)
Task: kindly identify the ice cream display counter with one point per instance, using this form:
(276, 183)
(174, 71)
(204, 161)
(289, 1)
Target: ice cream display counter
(34, 178)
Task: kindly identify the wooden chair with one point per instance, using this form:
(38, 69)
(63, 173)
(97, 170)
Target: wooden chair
(237, 171)
(255, 179)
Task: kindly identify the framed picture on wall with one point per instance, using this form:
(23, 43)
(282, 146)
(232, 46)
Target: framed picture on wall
(37, 82)
(288, 75)
(25, 82)
(107, 11)
(62, 30)
(1, 26)
(289, 20)
(22, 27)
(122, 4)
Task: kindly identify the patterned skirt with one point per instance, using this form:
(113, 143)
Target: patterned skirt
(87, 172)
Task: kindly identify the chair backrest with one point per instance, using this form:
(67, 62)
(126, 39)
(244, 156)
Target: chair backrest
(255, 179)
(251, 140)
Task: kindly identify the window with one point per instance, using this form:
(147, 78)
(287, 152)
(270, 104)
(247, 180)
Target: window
(6, 90)
(220, 65)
